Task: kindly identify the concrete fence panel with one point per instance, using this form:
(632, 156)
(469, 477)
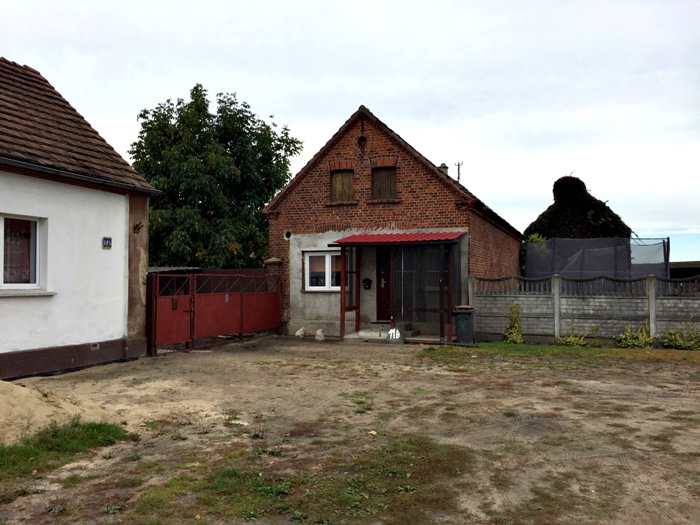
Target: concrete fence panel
(547, 309)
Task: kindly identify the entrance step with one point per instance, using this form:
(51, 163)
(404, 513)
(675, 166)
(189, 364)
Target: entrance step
(377, 331)
(385, 326)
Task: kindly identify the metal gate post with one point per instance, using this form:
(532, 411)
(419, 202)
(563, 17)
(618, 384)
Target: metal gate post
(192, 291)
(343, 280)
(151, 313)
(241, 332)
(441, 278)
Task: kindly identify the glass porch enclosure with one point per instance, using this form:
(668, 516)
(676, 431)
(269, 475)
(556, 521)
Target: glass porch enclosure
(423, 279)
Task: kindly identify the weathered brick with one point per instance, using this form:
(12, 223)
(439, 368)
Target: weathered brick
(424, 200)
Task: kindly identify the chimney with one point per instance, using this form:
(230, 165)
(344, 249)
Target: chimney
(443, 168)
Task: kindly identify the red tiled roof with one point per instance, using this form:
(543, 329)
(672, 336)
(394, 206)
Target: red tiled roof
(399, 238)
(41, 131)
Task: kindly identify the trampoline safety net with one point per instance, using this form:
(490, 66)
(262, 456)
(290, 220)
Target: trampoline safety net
(583, 258)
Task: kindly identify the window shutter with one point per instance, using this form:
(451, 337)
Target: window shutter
(342, 188)
(384, 184)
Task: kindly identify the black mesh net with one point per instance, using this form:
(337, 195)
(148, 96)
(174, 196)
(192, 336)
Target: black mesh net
(582, 258)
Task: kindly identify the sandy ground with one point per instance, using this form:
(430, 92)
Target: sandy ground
(626, 432)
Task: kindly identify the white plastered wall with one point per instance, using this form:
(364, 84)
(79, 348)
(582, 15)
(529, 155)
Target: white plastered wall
(89, 283)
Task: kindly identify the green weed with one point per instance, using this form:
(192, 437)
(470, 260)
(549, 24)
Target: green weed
(71, 481)
(56, 445)
(363, 400)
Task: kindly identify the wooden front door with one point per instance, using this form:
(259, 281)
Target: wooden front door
(384, 284)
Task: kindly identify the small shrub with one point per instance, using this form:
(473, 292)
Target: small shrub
(513, 334)
(639, 339)
(682, 339)
(574, 339)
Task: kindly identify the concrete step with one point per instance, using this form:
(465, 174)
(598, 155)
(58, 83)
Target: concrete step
(382, 326)
(375, 334)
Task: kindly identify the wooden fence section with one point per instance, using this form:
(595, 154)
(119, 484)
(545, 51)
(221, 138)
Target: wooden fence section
(549, 307)
(187, 308)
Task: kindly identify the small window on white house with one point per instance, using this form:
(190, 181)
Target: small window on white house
(322, 271)
(20, 252)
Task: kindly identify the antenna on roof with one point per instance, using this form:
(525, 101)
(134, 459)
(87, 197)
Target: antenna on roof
(459, 169)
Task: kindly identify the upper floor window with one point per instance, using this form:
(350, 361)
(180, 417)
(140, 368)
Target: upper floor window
(384, 184)
(20, 252)
(342, 187)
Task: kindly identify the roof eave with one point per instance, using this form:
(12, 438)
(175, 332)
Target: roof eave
(390, 243)
(77, 177)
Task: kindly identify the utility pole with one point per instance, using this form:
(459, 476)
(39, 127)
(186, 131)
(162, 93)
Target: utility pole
(459, 169)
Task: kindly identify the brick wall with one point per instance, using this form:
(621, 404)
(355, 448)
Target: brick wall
(423, 200)
(491, 249)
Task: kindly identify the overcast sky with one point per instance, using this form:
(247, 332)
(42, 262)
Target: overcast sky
(521, 93)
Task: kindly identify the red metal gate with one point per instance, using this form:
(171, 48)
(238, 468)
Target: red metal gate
(187, 308)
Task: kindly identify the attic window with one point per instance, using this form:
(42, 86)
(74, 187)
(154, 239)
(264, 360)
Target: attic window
(384, 184)
(342, 187)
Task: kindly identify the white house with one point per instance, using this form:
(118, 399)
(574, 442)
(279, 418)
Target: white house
(73, 236)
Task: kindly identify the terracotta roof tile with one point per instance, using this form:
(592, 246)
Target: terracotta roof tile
(40, 128)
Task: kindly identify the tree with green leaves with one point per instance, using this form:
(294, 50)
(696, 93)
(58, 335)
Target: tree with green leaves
(576, 214)
(216, 172)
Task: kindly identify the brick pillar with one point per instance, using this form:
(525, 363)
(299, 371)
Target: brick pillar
(274, 270)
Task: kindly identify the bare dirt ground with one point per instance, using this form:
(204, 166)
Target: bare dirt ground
(552, 441)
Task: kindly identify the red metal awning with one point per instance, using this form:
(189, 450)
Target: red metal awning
(364, 239)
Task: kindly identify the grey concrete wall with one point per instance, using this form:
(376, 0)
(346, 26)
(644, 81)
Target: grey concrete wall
(674, 312)
(546, 316)
(314, 310)
(610, 314)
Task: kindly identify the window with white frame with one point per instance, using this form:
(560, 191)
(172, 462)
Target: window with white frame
(322, 271)
(19, 252)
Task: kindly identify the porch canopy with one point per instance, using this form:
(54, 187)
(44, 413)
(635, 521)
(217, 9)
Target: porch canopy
(419, 268)
(373, 239)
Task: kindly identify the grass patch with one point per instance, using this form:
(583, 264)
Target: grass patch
(460, 356)
(56, 445)
(420, 392)
(129, 482)
(403, 481)
(363, 400)
(161, 502)
(71, 481)
(552, 501)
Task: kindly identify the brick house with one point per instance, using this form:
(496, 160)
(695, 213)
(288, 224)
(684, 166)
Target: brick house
(370, 230)
(74, 242)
